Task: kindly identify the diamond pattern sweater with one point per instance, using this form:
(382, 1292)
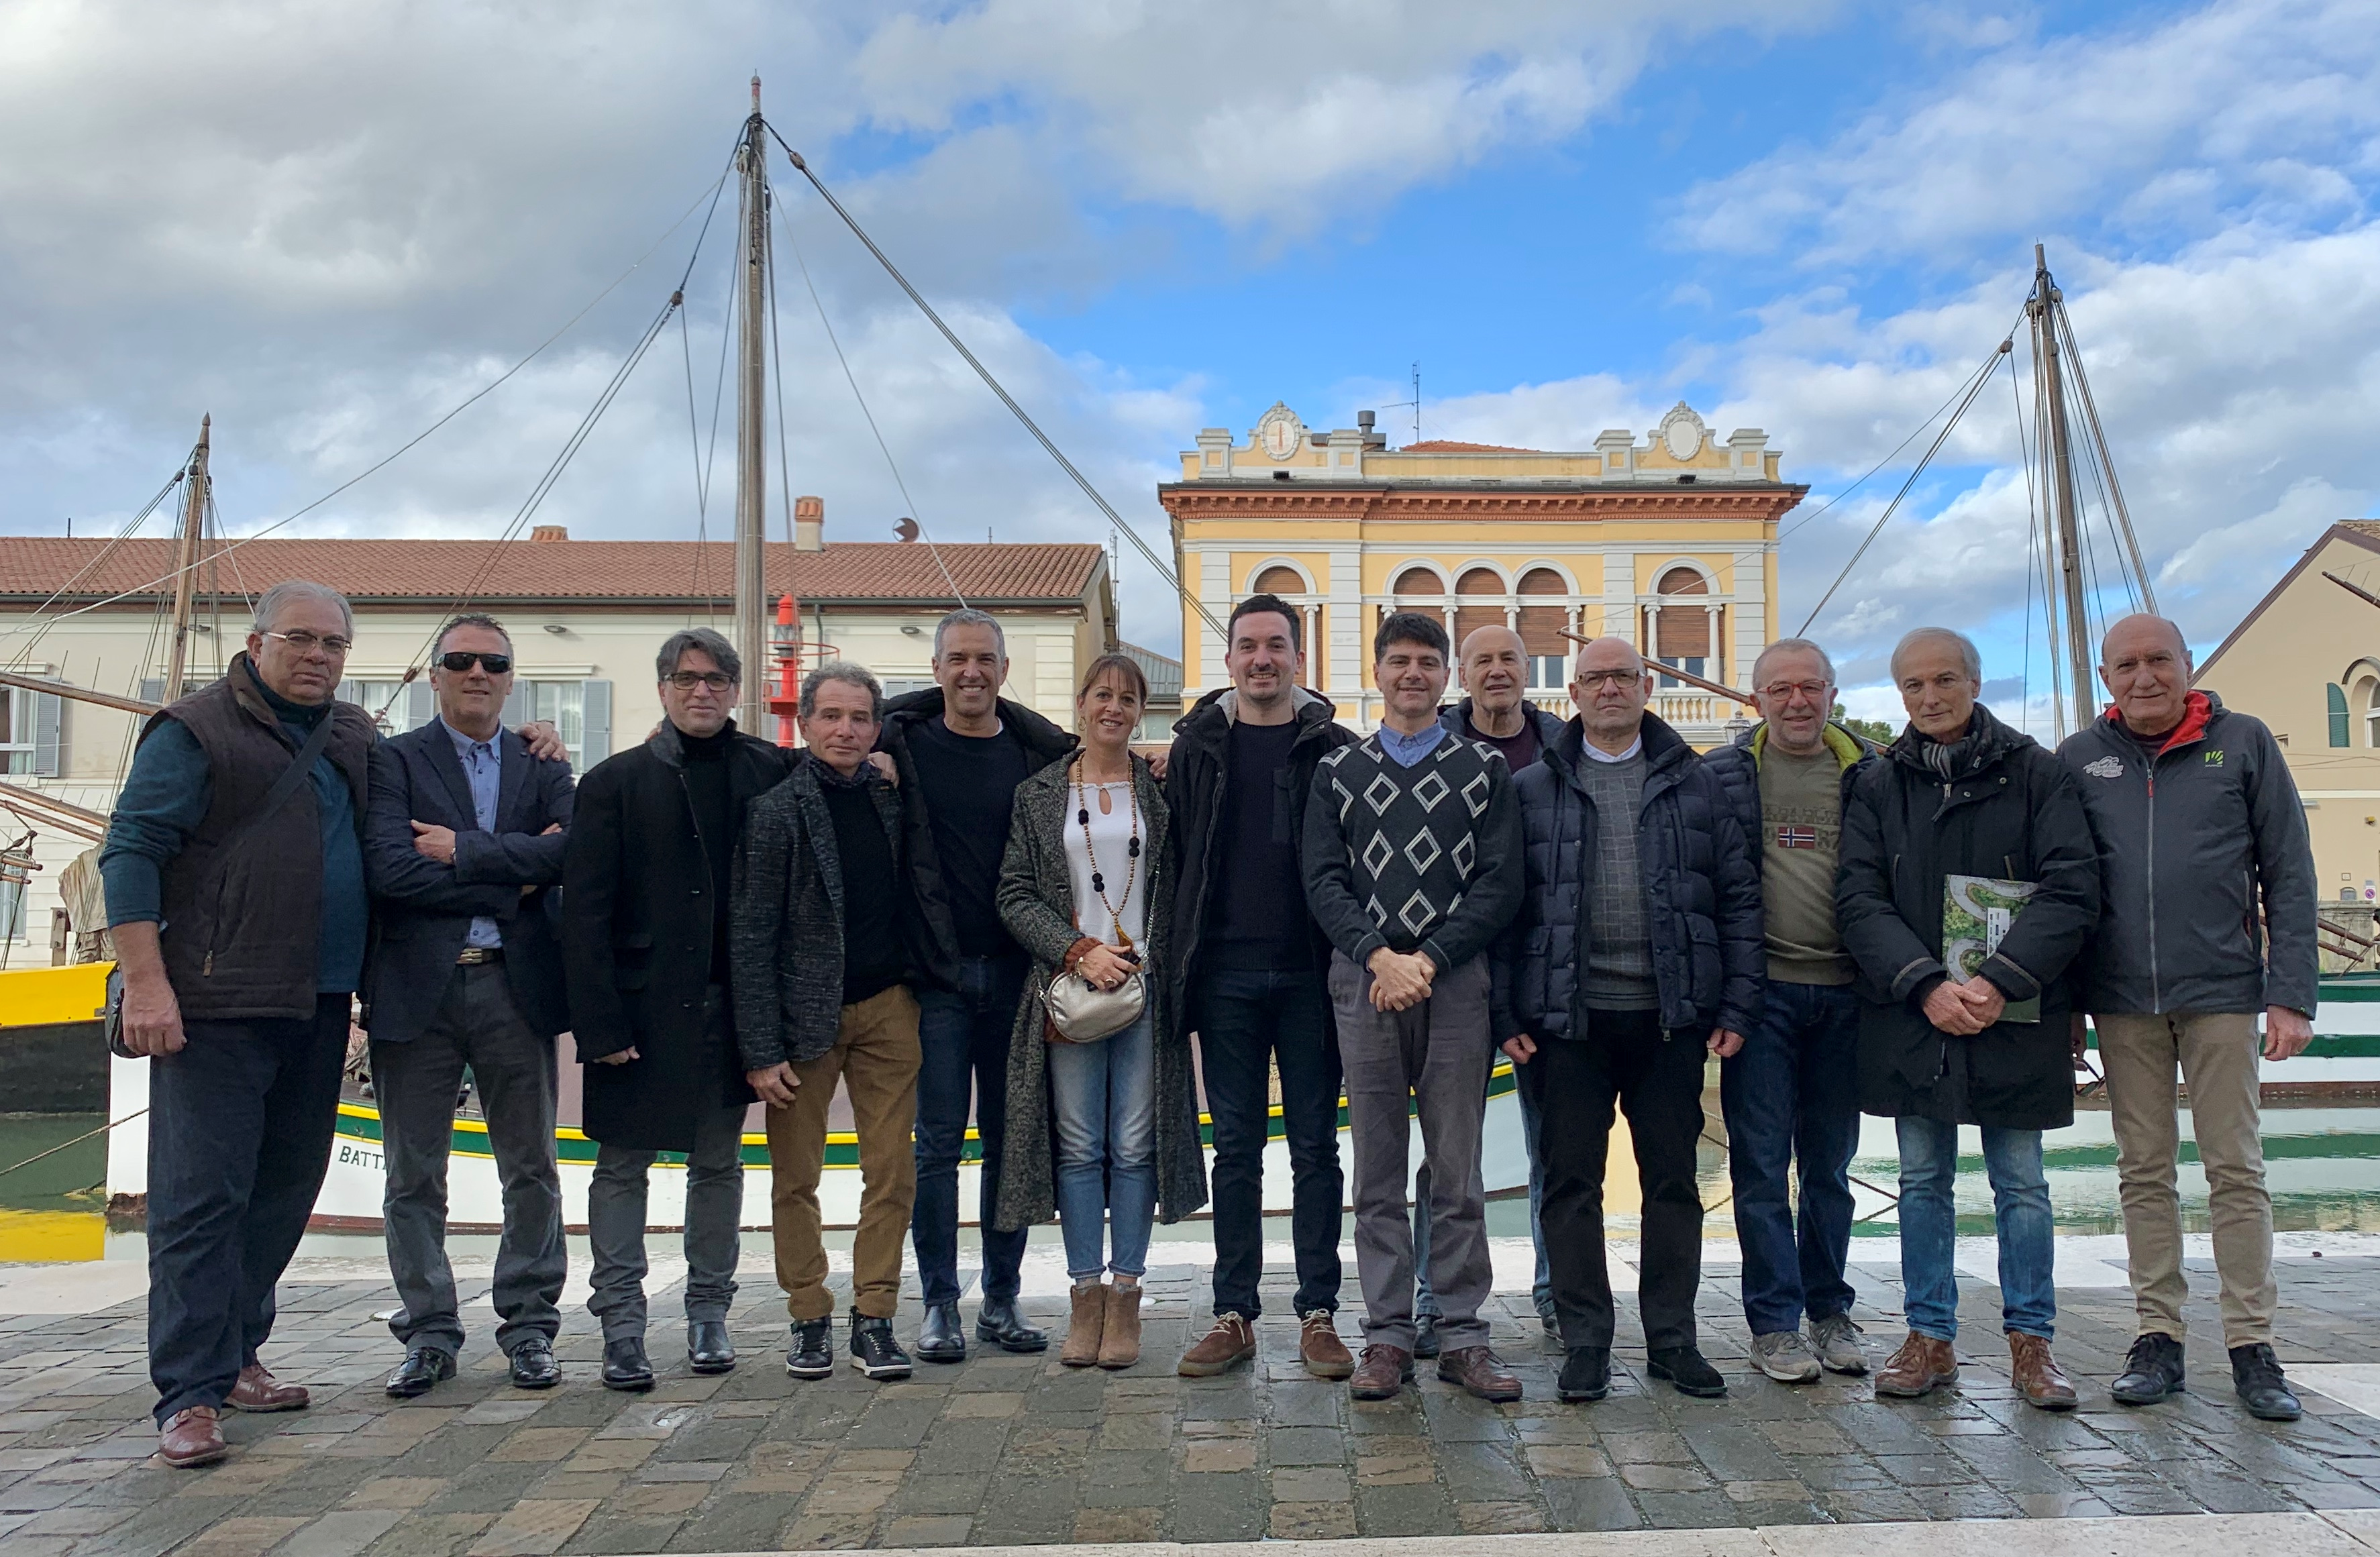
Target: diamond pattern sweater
(1425, 858)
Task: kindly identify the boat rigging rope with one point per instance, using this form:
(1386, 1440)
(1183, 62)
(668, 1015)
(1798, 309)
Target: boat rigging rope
(916, 513)
(104, 552)
(1006, 399)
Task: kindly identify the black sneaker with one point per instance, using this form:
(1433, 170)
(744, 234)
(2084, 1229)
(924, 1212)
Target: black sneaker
(1586, 1374)
(1684, 1368)
(1424, 1336)
(2256, 1374)
(2152, 1370)
(812, 1353)
(874, 1351)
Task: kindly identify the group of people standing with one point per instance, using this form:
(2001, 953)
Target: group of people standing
(951, 908)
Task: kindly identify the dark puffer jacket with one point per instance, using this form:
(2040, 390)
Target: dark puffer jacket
(2009, 811)
(1702, 893)
(1736, 765)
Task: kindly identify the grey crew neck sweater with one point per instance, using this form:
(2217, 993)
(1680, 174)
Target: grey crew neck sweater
(1618, 975)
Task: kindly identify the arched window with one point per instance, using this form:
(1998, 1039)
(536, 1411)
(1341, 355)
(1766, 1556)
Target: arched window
(2368, 699)
(1280, 581)
(1683, 633)
(1541, 631)
(1470, 619)
(1417, 580)
(2336, 696)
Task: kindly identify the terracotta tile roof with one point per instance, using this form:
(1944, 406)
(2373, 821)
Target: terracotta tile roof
(660, 571)
(1448, 446)
(2361, 527)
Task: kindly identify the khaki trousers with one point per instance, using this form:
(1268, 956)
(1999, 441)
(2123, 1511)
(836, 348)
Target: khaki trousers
(2217, 1055)
(875, 1055)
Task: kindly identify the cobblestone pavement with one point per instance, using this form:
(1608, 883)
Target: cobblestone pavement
(1016, 1449)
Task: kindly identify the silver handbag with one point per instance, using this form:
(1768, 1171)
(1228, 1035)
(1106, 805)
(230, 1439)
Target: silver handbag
(1084, 1013)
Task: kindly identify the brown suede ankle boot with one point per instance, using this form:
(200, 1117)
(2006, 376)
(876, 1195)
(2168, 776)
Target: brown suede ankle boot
(1922, 1366)
(1085, 1325)
(1120, 1335)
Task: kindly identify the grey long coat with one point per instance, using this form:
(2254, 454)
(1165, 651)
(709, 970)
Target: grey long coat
(1036, 903)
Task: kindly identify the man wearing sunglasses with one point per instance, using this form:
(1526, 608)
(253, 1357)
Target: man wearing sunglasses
(1791, 1092)
(463, 837)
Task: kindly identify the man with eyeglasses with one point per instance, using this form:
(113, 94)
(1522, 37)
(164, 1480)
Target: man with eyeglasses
(1792, 1091)
(646, 881)
(240, 936)
(463, 837)
(1637, 950)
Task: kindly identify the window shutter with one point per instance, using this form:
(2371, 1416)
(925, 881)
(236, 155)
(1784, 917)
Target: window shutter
(152, 689)
(47, 707)
(420, 703)
(520, 704)
(2337, 696)
(597, 743)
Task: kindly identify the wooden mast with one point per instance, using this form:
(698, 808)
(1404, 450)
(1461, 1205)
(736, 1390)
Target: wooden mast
(751, 443)
(186, 561)
(2043, 309)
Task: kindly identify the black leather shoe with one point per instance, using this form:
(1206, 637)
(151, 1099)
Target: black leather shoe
(533, 1365)
(940, 1339)
(1586, 1374)
(811, 1356)
(625, 1365)
(1685, 1368)
(708, 1349)
(2256, 1374)
(874, 1351)
(1426, 1336)
(2152, 1371)
(423, 1366)
(999, 1323)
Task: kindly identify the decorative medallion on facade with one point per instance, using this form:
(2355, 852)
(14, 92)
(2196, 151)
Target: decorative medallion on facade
(1683, 433)
(1278, 432)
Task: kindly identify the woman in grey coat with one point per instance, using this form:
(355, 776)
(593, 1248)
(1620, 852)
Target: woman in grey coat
(1104, 1135)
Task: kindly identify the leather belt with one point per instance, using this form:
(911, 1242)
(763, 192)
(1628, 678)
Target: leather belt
(477, 954)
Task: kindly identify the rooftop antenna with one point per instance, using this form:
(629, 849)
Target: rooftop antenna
(1414, 403)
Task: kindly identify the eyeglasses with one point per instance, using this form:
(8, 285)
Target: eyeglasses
(687, 680)
(1815, 692)
(1593, 679)
(303, 642)
(461, 660)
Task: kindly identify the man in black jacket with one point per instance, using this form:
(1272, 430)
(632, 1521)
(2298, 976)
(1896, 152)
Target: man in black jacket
(1248, 977)
(1412, 869)
(462, 834)
(821, 964)
(1637, 948)
(959, 752)
(1964, 1009)
(2206, 919)
(645, 939)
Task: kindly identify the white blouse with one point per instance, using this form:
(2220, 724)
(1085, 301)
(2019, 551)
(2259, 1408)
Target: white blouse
(1110, 839)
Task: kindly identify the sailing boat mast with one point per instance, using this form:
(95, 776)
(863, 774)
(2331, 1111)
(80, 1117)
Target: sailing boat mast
(751, 445)
(195, 492)
(2041, 309)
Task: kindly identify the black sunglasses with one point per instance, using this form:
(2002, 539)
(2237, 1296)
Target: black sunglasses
(460, 661)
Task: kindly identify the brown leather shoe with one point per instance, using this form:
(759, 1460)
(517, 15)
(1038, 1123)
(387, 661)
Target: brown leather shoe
(1922, 1366)
(1120, 1330)
(1320, 1348)
(193, 1438)
(1476, 1369)
(2036, 1374)
(1230, 1342)
(1384, 1371)
(1087, 1319)
(258, 1390)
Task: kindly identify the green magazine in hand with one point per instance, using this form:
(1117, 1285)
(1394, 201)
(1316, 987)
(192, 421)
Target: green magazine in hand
(1976, 914)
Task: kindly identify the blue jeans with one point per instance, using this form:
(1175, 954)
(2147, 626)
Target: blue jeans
(1541, 1290)
(1929, 1168)
(1105, 1099)
(1792, 1090)
(963, 1048)
(1246, 1019)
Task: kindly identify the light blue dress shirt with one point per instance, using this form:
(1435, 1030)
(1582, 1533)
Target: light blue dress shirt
(483, 765)
(1407, 750)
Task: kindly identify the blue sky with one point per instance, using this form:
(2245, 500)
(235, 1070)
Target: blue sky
(327, 225)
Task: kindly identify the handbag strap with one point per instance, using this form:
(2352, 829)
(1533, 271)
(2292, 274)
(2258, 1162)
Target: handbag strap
(291, 776)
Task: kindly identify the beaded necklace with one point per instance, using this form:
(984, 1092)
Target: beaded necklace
(1132, 868)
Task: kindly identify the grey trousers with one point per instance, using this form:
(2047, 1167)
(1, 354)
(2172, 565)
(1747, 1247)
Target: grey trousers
(714, 1217)
(1436, 1054)
(415, 1083)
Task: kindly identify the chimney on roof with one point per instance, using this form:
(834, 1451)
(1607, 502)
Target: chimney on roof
(550, 531)
(810, 524)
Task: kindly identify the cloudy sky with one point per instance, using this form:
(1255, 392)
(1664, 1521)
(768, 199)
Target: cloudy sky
(327, 223)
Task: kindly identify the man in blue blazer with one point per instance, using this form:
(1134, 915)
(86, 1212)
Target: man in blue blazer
(464, 833)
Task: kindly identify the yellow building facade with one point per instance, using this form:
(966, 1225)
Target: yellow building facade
(1668, 539)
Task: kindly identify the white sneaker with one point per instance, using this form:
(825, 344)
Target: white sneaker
(1837, 1341)
(1785, 1357)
